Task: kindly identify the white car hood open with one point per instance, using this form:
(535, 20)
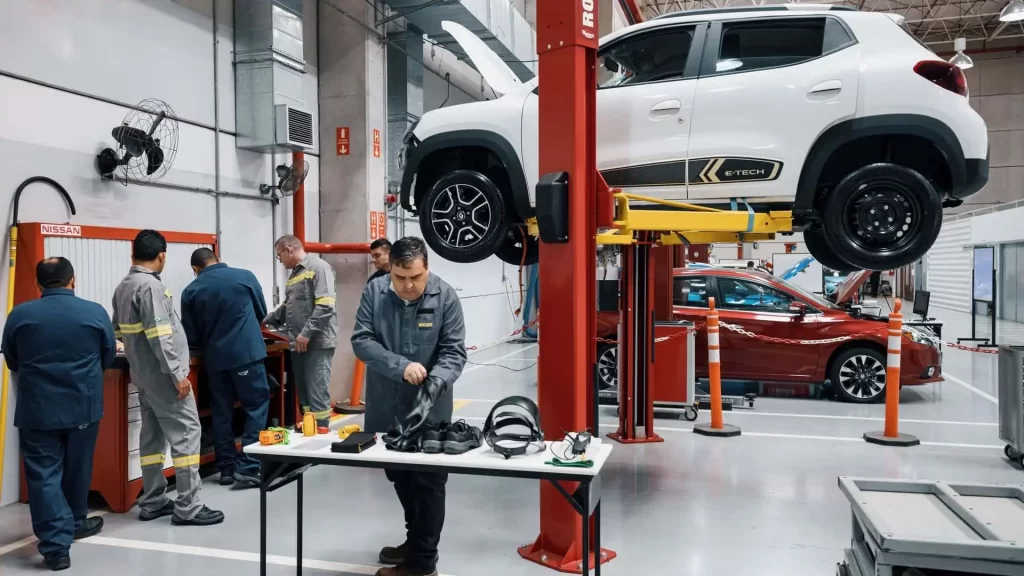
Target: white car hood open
(494, 70)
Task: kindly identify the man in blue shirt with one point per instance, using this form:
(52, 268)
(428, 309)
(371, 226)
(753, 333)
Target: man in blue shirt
(221, 311)
(58, 347)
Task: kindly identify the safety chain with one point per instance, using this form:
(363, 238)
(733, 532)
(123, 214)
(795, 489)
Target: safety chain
(968, 348)
(687, 332)
(739, 330)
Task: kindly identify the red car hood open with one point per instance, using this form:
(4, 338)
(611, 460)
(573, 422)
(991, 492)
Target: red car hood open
(851, 285)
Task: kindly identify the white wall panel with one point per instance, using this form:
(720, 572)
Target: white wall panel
(997, 227)
(950, 268)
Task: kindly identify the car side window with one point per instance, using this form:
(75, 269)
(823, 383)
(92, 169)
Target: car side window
(772, 42)
(690, 291)
(751, 296)
(642, 58)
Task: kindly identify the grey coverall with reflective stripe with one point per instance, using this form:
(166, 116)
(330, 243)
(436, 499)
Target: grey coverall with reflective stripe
(308, 310)
(157, 351)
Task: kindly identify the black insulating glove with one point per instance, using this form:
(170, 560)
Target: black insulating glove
(395, 439)
(430, 390)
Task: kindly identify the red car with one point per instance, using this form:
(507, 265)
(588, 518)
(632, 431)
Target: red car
(760, 303)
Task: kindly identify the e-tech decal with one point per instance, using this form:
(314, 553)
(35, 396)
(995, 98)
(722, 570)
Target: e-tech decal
(732, 170)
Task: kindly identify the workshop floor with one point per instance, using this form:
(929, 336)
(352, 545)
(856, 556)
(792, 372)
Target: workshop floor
(766, 503)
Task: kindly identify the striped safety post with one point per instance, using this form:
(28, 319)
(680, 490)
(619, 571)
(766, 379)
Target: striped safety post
(891, 435)
(716, 427)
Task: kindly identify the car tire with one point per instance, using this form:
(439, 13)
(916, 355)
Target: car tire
(463, 217)
(858, 375)
(882, 216)
(608, 369)
(818, 246)
(510, 250)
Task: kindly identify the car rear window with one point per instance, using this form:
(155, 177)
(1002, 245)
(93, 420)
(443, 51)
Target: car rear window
(772, 42)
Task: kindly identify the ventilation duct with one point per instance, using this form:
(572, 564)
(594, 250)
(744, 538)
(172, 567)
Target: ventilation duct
(270, 109)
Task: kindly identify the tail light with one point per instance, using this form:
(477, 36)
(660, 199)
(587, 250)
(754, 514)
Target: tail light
(944, 74)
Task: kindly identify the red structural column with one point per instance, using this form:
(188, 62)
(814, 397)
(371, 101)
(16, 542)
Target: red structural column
(567, 44)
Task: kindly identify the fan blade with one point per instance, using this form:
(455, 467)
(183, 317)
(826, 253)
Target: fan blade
(131, 139)
(155, 155)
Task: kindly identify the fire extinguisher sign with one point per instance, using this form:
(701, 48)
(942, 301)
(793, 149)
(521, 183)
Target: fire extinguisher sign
(378, 225)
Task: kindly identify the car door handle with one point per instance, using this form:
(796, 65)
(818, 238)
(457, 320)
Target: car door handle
(666, 108)
(828, 88)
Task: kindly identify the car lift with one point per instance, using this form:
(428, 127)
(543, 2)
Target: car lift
(573, 202)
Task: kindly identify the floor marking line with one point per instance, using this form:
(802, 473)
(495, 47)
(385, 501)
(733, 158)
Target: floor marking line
(981, 393)
(485, 363)
(272, 559)
(795, 436)
(32, 539)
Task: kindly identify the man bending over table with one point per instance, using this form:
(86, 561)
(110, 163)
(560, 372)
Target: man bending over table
(410, 334)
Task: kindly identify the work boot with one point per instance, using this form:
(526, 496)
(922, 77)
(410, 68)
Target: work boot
(226, 478)
(90, 527)
(461, 438)
(432, 439)
(394, 555)
(403, 571)
(58, 561)
(247, 479)
(165, 510)
(205, 517)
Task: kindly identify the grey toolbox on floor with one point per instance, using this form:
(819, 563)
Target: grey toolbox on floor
(902, 525)
(1011, 401)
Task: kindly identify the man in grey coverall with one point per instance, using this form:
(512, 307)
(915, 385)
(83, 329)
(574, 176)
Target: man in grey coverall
(308, 317)
(157, 351)
(409, 330)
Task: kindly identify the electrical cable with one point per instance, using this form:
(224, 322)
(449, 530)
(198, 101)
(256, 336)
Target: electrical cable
(509, 368)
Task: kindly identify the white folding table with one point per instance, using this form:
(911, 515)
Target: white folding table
(286, 463)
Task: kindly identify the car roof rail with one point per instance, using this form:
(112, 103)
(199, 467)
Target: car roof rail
(764, 8)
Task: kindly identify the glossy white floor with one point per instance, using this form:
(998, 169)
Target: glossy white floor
(766, 503)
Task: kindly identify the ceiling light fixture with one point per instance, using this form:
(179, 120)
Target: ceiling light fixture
(1014, 12)
(961, 60)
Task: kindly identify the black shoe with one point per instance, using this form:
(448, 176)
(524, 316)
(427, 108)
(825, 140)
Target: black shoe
(90, 527)
(432, 439)
(461, 438)
(394, 555)
(205, 517)
(165, 510)
(58, 561)
(247, 479)
(227, 478)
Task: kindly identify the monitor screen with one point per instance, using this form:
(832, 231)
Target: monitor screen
(921, 298)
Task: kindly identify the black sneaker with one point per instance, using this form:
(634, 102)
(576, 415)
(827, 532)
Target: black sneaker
(90, 527)
(432, 439)
(460, 438)
(248, 479)
(393, 555)
(205, 517)
(58, 561)
(166, 510)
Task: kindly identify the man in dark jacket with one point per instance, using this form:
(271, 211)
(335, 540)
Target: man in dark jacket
(58, 347)
(221, 311)
(411, 334)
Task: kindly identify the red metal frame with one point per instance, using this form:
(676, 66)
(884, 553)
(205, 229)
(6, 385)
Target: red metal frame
(567, 40)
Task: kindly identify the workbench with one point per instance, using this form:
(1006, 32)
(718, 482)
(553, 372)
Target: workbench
(284, 464)
(117, 471)
(927, 528)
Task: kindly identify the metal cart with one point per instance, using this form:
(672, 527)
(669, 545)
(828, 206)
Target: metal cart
(1011, 401)
(904, 527)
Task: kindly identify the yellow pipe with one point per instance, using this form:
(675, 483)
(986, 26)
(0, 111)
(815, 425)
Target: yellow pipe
(7, 375)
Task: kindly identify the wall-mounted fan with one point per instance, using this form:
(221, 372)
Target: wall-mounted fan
(288, 180)
(147, 141)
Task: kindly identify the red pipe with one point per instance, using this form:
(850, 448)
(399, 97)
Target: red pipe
(299, 201)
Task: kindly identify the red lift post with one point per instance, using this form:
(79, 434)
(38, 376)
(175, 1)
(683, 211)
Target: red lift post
(567, 41)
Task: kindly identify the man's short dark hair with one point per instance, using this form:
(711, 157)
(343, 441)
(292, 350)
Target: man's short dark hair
(203, 257)
(381, 243)
(405, 251)
(147, 245)
(54, 272)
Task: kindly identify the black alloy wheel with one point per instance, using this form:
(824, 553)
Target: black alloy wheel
(463, 217)
(858, 375)
(608, 370)
(882, 216)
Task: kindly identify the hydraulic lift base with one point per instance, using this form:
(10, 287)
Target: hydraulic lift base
(638, 440)
(726, 431)
(901, 440)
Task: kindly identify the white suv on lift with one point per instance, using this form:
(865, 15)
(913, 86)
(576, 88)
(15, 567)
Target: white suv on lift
(841, 116)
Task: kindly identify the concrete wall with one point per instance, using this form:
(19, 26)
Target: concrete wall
(996, 85)
(64, 75)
